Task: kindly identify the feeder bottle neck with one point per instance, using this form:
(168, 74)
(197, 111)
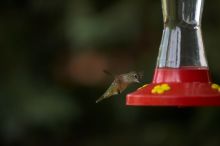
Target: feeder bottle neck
(182, 43)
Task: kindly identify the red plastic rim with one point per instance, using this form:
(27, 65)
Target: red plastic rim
(180, 94)
(181, 75)
(187, 87)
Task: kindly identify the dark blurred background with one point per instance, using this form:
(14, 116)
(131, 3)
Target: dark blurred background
(52, 53)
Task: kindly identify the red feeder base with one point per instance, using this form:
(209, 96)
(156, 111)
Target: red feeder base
(182, 87)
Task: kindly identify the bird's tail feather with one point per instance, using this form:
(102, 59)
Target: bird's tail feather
(100, 99)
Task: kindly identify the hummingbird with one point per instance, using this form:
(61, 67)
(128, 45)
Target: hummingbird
(120, 83)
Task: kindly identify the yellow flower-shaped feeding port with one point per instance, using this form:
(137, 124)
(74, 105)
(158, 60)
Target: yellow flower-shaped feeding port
(160, 89)
(215, 87)
(145, 85)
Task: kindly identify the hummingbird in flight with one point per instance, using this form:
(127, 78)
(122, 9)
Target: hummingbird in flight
(120, 83)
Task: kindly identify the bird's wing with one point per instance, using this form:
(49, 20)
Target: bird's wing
(108, 73)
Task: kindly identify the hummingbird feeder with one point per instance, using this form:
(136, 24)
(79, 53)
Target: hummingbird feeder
(181, 77)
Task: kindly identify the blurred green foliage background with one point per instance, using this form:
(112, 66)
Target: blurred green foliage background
(52, 53)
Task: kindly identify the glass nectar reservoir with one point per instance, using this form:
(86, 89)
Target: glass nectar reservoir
(181, 77)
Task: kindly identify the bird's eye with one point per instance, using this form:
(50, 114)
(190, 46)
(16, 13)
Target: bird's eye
(136, 76)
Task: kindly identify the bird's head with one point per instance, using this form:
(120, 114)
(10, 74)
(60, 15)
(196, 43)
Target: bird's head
(133, 77)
